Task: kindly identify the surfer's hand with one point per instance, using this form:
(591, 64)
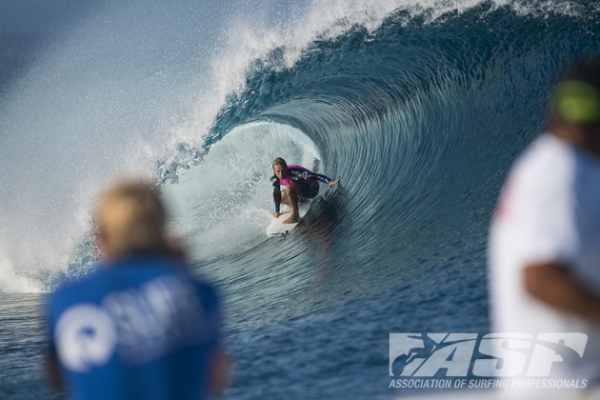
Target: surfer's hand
(277, 214)
(334, 182)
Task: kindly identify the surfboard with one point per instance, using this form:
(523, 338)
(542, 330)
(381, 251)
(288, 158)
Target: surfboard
(278, 228)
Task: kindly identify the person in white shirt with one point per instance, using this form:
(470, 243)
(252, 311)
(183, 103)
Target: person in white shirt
(544, 244)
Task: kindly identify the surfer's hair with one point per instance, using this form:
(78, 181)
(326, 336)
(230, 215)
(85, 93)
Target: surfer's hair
(280, 161)
(131, 219)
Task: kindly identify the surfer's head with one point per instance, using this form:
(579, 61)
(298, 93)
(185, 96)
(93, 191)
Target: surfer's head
(131, 220)
(576, 105)
(280, 168)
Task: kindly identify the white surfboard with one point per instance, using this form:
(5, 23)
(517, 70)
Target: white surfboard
(278, 228)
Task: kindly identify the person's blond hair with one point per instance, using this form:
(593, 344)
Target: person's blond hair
(131, 219)
(279, 161)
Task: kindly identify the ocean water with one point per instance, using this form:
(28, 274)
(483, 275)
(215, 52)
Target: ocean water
(420, 107)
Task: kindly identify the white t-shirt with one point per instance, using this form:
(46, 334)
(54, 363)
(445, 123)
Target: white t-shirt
(549, 210)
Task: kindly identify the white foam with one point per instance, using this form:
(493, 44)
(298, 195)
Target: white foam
(11, 282)
(225, 204)
(251, 36)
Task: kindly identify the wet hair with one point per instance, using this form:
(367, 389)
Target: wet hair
(280, 161)
(131, 219)
(577, 95)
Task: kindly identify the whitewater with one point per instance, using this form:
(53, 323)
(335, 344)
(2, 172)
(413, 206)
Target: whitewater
(420, 107)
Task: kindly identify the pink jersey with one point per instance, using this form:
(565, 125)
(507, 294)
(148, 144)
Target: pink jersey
(298, 172)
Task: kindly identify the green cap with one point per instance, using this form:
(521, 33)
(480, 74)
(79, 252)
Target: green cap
(577, 101)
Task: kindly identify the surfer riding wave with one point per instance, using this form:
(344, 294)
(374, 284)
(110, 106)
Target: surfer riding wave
(300, 183)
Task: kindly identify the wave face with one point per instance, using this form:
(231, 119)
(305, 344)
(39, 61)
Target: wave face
(421, 120)
(420, 110)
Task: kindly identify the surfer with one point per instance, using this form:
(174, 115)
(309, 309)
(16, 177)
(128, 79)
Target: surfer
(300, 184)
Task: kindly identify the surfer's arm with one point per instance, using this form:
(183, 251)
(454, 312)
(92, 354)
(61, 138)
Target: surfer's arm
(323, 179)
(276, 194)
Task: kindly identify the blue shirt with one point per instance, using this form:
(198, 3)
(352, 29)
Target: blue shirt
(139, 328)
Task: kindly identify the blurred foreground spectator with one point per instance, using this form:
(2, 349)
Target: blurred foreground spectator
(140, 327)
(544, 249)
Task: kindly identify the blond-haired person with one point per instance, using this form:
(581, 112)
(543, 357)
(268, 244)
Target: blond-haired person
(300, 184)
(139, 327)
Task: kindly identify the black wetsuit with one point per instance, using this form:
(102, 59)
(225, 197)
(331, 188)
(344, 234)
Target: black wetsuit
(307, 181)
